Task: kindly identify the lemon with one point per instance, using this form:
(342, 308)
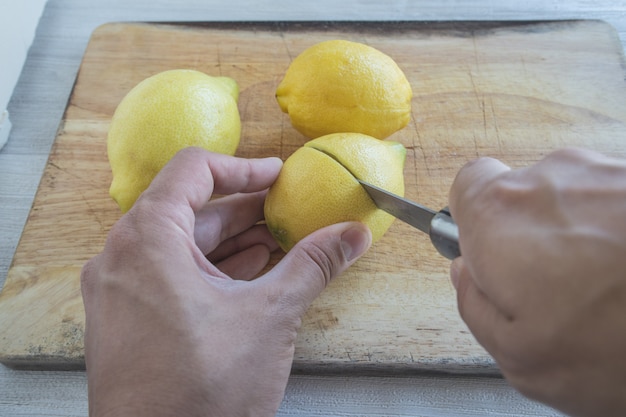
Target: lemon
(317, 186)
(163, 114)
(343, 86)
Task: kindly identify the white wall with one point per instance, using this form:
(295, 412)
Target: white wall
(18, 22)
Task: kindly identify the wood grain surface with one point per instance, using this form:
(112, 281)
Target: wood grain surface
(514, 91)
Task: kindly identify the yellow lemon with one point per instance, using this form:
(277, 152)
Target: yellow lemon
(317, 186)
(343, 86)
(163, 114)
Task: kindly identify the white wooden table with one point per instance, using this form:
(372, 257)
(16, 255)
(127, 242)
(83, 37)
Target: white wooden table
(37, 106)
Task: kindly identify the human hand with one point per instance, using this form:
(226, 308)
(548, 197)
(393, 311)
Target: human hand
(542, 280)
(170, 333)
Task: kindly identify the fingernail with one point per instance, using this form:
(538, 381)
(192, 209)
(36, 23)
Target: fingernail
(355, 241)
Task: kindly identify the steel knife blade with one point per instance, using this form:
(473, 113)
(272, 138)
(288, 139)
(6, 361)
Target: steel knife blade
(439, 225)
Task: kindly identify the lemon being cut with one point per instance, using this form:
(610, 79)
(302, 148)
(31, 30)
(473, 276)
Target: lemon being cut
(343, 86)
(317, 186)
(160, 116)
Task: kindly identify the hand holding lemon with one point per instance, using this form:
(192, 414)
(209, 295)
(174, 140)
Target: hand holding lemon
(163, 248)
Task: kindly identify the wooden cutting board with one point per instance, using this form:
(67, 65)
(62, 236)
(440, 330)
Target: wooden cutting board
(514, 91)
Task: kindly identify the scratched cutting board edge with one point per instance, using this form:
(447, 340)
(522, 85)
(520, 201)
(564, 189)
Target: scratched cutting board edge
(511, 90)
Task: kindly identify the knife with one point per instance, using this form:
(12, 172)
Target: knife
(439, 225)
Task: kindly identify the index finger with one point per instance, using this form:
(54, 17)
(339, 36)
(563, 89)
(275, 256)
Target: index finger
(470, 204)
(470, 181)
(194, 174)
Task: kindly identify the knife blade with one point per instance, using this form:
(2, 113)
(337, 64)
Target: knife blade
(439, 225)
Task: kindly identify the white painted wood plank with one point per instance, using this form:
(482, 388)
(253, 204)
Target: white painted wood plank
(18, 21)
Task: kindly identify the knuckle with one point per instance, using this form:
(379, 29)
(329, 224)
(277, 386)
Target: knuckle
(122, 239)
(508, 191)
(322, 260)
(568, 154)
(87, 277)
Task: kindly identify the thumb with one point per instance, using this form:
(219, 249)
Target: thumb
(314, 261)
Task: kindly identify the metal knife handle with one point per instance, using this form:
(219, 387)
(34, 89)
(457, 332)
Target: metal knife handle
(444, 234)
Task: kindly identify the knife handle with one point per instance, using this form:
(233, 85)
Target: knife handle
(444, 234)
